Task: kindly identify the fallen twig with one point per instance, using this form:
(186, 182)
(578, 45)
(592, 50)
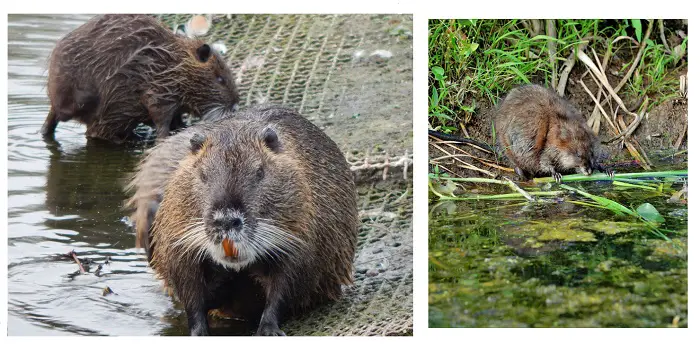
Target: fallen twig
(627, 138)
(642, 46)
(600, 108)
(594, 119)
(603, 80)
(77, 261)
(628, 130)
(466, 165)
(384, 163)
(552, 48)
(679, 142)
(569, 65)
(444, 168)
(517, 188)
(663, 37)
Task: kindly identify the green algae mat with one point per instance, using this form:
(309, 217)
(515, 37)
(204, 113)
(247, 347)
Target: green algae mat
(561, 262)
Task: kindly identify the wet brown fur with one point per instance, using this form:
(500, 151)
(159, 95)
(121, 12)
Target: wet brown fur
(308, 189)
(544, 134)
(117, 71)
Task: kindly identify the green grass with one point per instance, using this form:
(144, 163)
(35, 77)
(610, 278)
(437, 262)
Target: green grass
(480, 60)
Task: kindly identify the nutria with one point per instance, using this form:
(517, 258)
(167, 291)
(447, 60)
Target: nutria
(544, 134)
(262, 195)
(117, 71)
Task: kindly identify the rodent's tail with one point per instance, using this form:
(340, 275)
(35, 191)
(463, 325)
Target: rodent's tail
(447, 137)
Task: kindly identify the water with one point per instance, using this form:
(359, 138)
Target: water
(67, 196)
(560, 264)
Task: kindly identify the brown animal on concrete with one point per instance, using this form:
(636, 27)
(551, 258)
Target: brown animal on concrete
(263, 196)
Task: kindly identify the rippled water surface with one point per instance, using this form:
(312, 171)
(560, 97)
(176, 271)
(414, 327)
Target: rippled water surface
(64, 197)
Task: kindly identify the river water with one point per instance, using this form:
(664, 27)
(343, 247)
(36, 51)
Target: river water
(67, 197)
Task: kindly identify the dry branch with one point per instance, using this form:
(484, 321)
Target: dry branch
(679, 142)
(552, 48)
(385, 163)
(643, 45)
(77, 261)
(463, 163)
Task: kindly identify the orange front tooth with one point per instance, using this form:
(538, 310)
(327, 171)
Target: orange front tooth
(234, 251)
(229, 248)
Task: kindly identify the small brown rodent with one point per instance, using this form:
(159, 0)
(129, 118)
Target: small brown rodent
(117, 71)
(544, 134)
(262, 195)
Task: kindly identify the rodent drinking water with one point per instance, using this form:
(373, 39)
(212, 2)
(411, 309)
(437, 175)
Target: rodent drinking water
(544, 134)
(117, 71)
(263, 198)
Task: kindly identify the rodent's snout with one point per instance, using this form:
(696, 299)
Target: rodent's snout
(228, 220)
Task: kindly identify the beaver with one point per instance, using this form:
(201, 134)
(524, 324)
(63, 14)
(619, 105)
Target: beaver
(544, 134)
(260, 195)
(119, 70)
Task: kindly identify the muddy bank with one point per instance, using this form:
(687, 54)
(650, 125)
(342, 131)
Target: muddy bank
(662, 130)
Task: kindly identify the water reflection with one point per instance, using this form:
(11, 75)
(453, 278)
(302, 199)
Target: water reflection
(66, 196)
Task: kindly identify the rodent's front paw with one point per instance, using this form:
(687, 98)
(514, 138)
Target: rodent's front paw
(610, 173)
(269, 330)
(557, 177)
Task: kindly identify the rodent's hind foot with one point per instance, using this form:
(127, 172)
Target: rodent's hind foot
(269, 329)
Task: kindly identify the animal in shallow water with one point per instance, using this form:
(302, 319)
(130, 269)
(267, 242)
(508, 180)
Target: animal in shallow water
(262, 199)
(544, 134)
(117, 71)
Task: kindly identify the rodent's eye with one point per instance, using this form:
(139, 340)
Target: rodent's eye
(260, 174)
(220, 79)
(203, 176)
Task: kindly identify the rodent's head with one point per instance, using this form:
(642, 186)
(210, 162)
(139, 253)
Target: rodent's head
(210, 84)
(252, 195)
(579, 148)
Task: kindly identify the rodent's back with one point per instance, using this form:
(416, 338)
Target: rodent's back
(101, 46)
(116, 71)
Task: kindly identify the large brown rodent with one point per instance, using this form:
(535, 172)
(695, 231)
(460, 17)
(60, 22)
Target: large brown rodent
(544, 134)
(117, 71)
(262, 195)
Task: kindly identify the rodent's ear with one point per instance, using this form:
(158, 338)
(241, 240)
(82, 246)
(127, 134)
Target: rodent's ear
(196, 142)
(271, 140)
(204, 52)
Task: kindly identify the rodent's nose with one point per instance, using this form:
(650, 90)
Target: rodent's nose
(228, 223)
(236, 223)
